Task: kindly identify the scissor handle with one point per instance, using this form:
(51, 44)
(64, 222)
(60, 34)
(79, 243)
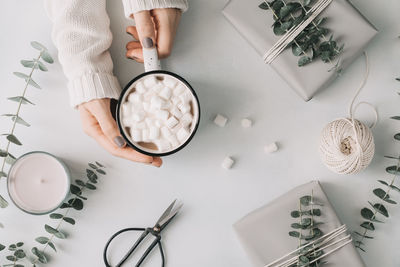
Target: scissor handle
(146, 231)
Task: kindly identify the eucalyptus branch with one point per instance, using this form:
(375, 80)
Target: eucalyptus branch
(307, 256)
(74, 203)
(312, 42)
(34, 64)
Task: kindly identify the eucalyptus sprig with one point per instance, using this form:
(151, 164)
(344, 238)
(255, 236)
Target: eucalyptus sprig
(307, 230)
(16, 255)
(75, 202)
(379, 208)
(312, 43)
(10, 137)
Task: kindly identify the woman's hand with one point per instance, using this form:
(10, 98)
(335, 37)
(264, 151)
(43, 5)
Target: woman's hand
(98, 123)
(155, 27)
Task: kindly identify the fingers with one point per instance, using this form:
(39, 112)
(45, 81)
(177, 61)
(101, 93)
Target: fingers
(166, 21)
(133, 31)
(93, 129)
(145, 28)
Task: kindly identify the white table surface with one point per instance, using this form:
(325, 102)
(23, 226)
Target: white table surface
(231, 79)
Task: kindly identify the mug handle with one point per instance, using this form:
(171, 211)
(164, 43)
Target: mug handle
(151, 61)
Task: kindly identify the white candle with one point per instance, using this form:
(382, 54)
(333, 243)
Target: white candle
(38, 182)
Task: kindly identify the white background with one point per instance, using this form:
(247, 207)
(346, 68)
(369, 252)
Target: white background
(231, 79)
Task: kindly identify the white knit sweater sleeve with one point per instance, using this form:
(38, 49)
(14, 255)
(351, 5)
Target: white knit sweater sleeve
(133, 6)
(82, 35)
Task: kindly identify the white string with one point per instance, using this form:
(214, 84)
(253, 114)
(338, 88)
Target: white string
(291, 34)
(317, 246)
(347, 145)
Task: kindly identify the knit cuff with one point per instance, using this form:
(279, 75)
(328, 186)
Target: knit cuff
(134, 6)
(93, 86)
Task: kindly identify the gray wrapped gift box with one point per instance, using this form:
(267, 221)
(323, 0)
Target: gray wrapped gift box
(264, 232)
(346, 23)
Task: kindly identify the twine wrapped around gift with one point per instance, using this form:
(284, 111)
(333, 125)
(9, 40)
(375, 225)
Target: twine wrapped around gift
(334, 240)
(291, 34)
(347, 145)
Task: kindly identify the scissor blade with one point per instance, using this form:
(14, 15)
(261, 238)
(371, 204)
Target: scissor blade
(166, 212)
(162, 223)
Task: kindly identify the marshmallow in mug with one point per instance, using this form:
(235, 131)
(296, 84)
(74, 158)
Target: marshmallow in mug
(159, 113)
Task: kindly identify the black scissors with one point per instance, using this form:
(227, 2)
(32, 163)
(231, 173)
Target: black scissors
(164, 220)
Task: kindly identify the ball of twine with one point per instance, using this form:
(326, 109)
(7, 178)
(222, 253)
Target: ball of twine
(347, 146)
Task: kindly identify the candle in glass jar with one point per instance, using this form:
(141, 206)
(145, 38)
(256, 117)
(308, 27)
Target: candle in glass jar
(38, 182)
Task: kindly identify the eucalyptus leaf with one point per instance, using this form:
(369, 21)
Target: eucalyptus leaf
(92, 176)
(2, 247)
(40, 255)
(264, 6)
(56, 216)
(3, 174)
(75, 190)
(368, 225)
(21, 99)
(42, 67)
(3, 153)
(21, 75)
(76, 203)
(304, 61)
(29, 64)
(33, 83)
(380, 208)
(38, 46)
(69, 220)
(93, 166)
(20, 254)
(367, 214)
(3, 202)
(90, 186)
(11, 258)
(21, 121)
(395, 118)
(397, 136)
(383, 182)
(42, 240)
(80, 182)
(47, 57)
(383, 195)
(10, 159)
(101, 171)
(99, 164)
(13, 139)
(294, 234)
(12, 247)
(361, 235)
(20, 244)
(52, 246)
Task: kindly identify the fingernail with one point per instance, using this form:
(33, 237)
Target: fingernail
(119, 141)
(147, 42)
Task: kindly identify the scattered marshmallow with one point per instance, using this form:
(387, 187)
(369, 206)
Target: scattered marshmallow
(166, 93)
(150, 81)
(227, 163)
(154, 133)
(171, 122)
(170, 82)
(182, 134)
(220, 120)
(136, 135)
(246, 123)
(271, 148)
(139, 87)
(185, 97)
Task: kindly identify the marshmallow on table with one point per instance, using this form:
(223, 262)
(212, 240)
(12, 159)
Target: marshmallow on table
(171, 122)
(246, 123)
(170, 82)
(139, 87)
(150, 81)
(182, 134)
(270, 148)
(166, 93)
(227, 163)
(220, 120)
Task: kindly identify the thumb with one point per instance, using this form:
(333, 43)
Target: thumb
(145, 28)
(110, 129)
